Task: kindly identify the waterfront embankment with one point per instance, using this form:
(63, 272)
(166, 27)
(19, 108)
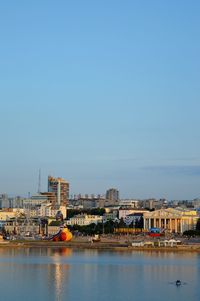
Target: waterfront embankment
(102, 245)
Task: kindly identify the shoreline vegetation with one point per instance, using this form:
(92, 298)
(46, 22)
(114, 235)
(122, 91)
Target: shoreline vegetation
(102, 245)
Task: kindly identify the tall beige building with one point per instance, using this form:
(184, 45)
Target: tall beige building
(60, 188)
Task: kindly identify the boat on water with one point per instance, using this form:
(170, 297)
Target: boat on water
(178, 282)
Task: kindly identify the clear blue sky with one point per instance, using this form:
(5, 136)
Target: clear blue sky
(103, 93)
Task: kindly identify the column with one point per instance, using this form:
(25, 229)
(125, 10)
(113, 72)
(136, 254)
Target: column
(144, 223)
(165, 224)
(181, 225)
(159, 222)
(149, 223)
(175, 220)
(162, 223)
(170, 225)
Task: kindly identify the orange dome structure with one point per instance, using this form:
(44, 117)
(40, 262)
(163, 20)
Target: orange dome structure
(63, 235)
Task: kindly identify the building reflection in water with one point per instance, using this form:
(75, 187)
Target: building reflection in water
(58, 273)
(45, 269)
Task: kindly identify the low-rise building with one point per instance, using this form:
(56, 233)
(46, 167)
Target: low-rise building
(123, 212)
(84, 220)
(35, 200)
(6, 215)
(88, 202)
(45, 210)
(129, 203)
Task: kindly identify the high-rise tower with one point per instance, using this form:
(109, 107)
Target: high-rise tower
(112, 195)
(60, 187)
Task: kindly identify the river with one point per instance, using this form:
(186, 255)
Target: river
(35, 274)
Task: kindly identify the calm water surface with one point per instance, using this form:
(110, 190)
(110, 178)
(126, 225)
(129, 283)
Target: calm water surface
(65, 274)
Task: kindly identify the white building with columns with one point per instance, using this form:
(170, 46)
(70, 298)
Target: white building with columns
(171, 220)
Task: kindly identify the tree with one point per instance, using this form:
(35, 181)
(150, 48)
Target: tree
(198, 225)
(139, 223)
(190, 233)
(122, 223)
(109, 227)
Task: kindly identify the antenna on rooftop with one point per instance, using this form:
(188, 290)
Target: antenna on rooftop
(39, 181)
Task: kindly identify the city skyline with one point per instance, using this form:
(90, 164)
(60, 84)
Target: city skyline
(109, 193)
(102, 94)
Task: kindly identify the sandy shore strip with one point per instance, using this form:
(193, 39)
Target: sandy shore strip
(115, 246)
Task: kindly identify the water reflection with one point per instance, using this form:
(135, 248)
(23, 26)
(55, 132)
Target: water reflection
(63, 274)
(58, 273)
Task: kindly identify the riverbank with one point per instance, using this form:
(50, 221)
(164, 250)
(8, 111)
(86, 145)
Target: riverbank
(112, 245)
